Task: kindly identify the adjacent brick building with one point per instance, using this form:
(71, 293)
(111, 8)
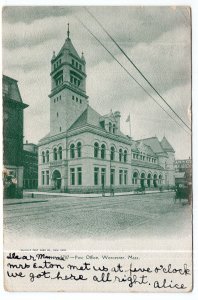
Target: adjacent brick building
(13, 107)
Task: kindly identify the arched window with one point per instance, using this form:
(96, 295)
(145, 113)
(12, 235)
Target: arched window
(160, 179)
(60, 152)
(96, 150)
(149, 180)
(72, 151)
(120, 155)
(55, 153)
(79, 149)
(112, 154)
(155, 180)
(47, 155)
(125, 155)
(114, 128)
(135, 178)
(110, 127)
(103, 151)
(43, 157)
(142, 180)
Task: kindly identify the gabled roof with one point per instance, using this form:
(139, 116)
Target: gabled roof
(166, 145)
(154, 143)
(89, 116)
(69, 46)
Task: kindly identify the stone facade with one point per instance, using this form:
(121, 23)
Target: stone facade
(87, 152)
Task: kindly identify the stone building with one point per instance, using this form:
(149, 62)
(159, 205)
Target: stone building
(86, 151)
(13, 107)
(30, 164)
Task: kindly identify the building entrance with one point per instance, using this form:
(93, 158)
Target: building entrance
(56, 177)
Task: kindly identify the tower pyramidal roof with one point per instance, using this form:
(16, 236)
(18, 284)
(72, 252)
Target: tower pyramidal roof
(69, 46)
(166, 145)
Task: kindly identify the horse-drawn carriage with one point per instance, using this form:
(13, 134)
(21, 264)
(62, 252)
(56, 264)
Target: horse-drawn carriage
(183, 191)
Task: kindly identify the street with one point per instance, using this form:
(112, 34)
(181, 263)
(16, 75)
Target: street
(119, 216)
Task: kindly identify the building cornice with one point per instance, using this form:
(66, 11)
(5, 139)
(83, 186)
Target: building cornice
(86, 128)
(69, 87)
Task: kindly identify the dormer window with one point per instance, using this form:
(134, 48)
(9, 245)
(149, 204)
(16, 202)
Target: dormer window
(114, 128)
(110, 127)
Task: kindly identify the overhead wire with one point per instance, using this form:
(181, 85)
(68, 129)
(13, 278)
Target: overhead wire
(135, 66)
(90, 32)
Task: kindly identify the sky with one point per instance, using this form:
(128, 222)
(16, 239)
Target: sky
(157, 39)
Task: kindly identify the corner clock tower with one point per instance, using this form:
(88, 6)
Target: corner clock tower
(68, 97)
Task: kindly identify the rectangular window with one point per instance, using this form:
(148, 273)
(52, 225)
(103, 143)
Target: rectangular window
(120, 176)
(103, 176)
(79, 172)
(72, 62)
(47, 177)
(96, 176)
(125, 177)
(72, 97)
(112, 177)
(43, 177)
(72, 176)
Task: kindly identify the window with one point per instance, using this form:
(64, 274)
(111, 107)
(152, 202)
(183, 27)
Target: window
(79, 148)
(112, 155)
(55, 153)
(96, 150)
(103, 176)
(96, 176)
(120, 176)
(72, 62)
(72, 176)
(60, 151)
(120, 155)
(103, 151)
(125, 155)
(114, 128)
(47, 177)
(43, 177)
(110, 127)
(112, 177)
(125, 177)
(57, 114)
(60, 97)
(72, 97)
(79, 174)
(72, 151)
(43, 157)
(47, 155)
(80, 101)
(76, 99)
(80, 67)
(76, 64)
(135, 178)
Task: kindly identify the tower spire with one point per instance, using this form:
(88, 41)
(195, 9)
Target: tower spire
(68, 32)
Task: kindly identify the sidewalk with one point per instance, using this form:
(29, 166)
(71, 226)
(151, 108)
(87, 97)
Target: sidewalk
(49, 194)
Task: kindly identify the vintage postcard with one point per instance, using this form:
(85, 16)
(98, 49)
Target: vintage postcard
(97, 168)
